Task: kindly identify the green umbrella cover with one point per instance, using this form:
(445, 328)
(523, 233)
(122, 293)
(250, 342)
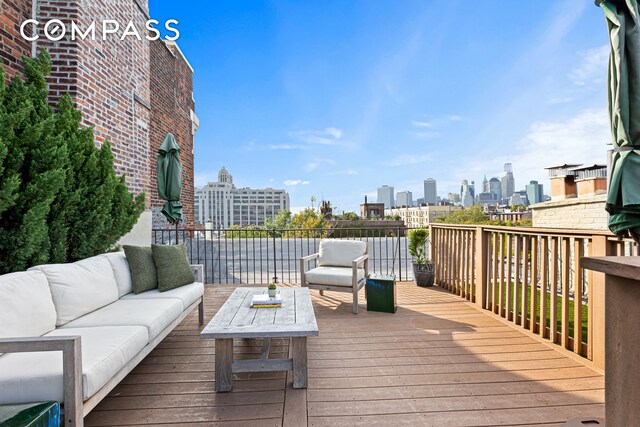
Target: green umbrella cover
(623, 202)
(170, 179)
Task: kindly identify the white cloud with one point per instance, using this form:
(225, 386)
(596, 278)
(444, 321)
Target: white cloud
(293, 182)
(593, 67)
(422, 124)
(328, 136)
(455, 118)
(580, 139)
(316, 163)
(409, 159)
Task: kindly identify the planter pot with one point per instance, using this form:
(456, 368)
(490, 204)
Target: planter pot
(424, 274)
(272, 293)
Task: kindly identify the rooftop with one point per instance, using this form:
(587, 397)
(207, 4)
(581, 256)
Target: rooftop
(438, 361)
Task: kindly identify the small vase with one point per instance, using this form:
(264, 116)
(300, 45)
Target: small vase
(272, 293)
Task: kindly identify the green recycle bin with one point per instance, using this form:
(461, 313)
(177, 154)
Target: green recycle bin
(380, 292)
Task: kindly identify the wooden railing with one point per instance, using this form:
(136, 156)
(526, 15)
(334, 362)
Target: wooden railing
(530, 277)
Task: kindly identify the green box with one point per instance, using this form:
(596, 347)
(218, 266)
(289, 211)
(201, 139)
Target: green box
(380, 292)
(40, 414)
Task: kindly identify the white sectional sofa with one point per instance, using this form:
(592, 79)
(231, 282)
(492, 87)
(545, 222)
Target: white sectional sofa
(72, 332)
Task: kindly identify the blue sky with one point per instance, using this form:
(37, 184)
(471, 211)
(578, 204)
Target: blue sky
(334, 98)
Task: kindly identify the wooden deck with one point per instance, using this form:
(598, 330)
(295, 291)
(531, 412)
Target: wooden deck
(438, 361)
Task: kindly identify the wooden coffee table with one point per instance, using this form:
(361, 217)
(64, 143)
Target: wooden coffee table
(236, 319)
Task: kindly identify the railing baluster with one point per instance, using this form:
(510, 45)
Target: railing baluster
(534, 284)
(553, 315)
(509, 296)
(525, 281)
(577, 296)
(566, 272)
(544, 274)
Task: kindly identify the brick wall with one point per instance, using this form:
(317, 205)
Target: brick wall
(582, 213)
(107, 79)
(172, 101)
(12, 45)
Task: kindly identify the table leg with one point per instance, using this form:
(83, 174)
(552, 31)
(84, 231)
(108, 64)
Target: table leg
(224, 360)
(299, 356)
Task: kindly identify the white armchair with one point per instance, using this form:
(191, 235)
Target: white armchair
(343, 266)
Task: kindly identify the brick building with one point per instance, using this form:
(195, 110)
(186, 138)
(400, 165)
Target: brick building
(131, 91)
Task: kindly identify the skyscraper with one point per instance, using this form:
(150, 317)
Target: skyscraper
(404, 198)
(508, 182)
(495, 187)
(485, 185)
(466, 193)
(430, 191)
(385, 195)
(535, 192)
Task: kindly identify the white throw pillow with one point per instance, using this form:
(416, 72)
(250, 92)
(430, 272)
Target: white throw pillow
(121, 272)
(26, 307)
(81, 287)
(340, 253)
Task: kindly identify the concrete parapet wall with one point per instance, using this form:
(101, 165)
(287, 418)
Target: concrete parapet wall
(582, 213)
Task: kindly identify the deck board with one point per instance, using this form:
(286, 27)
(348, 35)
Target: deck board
(438, 361)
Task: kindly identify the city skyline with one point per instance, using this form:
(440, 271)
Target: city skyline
(285, 103)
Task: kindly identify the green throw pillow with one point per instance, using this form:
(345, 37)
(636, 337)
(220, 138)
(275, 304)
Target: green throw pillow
(143, 269)
(172, 266)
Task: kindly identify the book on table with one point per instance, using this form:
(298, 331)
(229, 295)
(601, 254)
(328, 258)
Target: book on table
(263, 301)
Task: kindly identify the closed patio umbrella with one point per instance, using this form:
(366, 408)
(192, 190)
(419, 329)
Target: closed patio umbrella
(623, 201)
(170, 180)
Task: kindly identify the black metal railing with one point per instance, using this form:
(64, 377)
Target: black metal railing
(246, 256)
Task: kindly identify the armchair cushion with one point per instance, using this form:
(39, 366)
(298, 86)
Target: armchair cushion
(340, 253)
(332, 276)
(26, 306)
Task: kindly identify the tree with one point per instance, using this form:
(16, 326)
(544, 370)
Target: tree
(352, 216)
(60, 199)
(471, 215)
(308, 219)
(282, 220)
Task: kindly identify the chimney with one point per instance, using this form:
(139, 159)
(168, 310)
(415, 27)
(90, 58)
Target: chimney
(563, 185)
(591, 180)
(365, 200)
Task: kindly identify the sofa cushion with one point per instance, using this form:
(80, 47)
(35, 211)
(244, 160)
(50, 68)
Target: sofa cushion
(121, 272)
(172, 266)
(26, 306)
(142, 267)
(340, 253)
(33, 377)
(154, 314)
(332, 276)
(80, 287)
(187, 294)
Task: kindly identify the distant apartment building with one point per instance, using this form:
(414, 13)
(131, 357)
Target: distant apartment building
(535, 193)
(371, 210)
(222, 205)
(385, 196)
(404, 198)
(420, 216)
(430, 191)
(454, 198)
(519, 198)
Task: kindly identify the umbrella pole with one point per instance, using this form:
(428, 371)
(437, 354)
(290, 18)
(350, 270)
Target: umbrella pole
(177, 238)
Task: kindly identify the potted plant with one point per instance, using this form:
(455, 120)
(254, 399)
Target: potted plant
(423, 268)
(272, 290)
